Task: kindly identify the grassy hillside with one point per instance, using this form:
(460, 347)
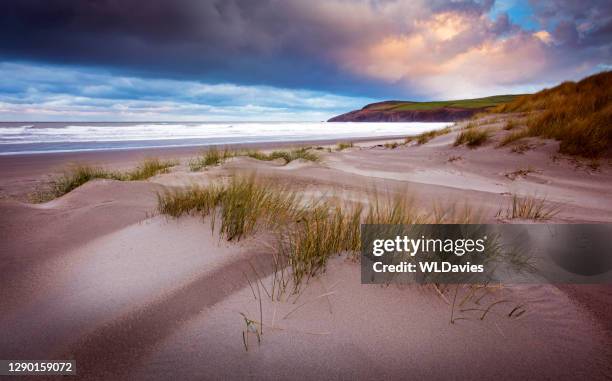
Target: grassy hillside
(476, 103)
(578, 114)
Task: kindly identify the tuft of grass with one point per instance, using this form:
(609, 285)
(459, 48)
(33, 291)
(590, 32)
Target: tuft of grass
(148, 168)
(393, 145)
(427, 136)
(454, 158)
(512, 137)
(344, 145)
(510, 125)
(288, 156)
(529, 208)
(472, 137)
(578, 114)
(240, 205)
(76, 176)
(209, 158)
(68, 181)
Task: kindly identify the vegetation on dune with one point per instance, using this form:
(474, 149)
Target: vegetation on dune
(344, 145)
(427, 136)
(472, 137)
(79, 175)
(209, 158)
(308, 231)
(214, 157)
(578, 114)
(461, 103)
(148, 168)
(529, 208)
(288, 156)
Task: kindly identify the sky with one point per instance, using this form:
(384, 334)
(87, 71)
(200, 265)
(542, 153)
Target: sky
(260, 60)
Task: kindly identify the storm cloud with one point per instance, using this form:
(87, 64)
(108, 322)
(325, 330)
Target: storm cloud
(363, 48)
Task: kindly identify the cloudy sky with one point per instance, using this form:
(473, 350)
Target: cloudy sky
(284, 59)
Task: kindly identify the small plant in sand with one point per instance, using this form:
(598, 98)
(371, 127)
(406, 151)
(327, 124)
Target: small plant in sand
(521, 148)
(529, 208)
(344, 145)
(393, 145)
(76, 176)
(472, 138)
(523, 172)
(210, 158)
(479, 299)
(454, 158)
(427, 136)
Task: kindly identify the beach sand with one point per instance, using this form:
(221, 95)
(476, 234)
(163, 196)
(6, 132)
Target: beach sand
(97, 276)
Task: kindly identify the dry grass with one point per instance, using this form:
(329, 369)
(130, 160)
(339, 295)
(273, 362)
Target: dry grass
(472, 137)
(393, 145)
(210, 158)
(344, 145)
(512, 137)
(579, 115)
(427, 136)
(529, 208)
(288, 156)
(76, 176)
(510, 125)
(307, 231)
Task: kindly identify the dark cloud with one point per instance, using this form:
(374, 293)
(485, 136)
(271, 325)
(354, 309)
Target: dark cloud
(285, 43)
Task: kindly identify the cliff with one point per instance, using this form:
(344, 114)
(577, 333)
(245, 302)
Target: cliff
(406, 111)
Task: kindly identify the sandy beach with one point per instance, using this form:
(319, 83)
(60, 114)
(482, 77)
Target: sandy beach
(98, 276)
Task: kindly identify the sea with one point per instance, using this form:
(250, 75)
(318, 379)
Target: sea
(33, 138)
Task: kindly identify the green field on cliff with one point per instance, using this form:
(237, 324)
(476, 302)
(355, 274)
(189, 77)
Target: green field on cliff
(475, 103)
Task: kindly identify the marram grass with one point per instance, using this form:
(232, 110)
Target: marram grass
(577, 114)
(76, 176)
(308, 231)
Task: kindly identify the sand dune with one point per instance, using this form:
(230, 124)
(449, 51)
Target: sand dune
(95, 275)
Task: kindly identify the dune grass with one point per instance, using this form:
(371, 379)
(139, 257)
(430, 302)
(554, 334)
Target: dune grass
(472, 137)
(215, 157)
(209, 158)
(307, 231)
(303, 153)
(393, 145)
(427, 136)
(76, 176)
(513, 137)
(344, 145)
(529, 208)
(510, 125)
(148, 168)
(578, 114)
